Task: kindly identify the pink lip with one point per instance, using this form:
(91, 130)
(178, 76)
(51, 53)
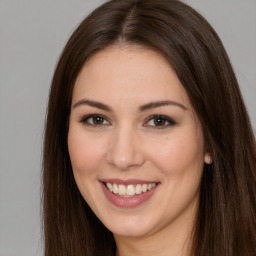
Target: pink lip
(127, 182)
(127, 202)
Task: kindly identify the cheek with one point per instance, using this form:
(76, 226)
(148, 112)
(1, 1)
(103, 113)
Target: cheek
(177, 154)
(85, 154)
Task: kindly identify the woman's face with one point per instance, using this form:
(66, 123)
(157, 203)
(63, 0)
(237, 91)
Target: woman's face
(135, 143)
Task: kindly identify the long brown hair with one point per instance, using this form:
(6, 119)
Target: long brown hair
(226, 220)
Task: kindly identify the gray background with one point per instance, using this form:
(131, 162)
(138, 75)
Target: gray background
(32, 34)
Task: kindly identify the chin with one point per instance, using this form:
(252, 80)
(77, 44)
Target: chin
(130, 227)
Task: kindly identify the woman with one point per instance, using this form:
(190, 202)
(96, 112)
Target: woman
(148, 146)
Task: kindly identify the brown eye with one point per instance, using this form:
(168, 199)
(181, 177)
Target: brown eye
(159, 121)
(95, 120)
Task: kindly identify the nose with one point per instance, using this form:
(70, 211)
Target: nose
(125, 149)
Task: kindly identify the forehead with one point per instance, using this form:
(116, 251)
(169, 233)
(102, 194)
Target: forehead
(128, 72)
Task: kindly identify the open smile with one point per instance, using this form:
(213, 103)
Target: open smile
(128, 194)
(129, 190)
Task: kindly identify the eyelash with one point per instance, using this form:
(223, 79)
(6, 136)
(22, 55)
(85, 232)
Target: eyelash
(167, 121)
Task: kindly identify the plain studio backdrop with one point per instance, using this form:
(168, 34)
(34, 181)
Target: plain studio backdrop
(32, 35)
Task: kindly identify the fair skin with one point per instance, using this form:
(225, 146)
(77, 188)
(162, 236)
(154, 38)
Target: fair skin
(131, 124)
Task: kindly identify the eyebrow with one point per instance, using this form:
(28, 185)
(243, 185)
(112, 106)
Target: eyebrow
(158, 104)
(94, 104)
(145, 107)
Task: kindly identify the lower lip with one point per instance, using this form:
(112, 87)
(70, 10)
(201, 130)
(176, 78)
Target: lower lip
(128, 202)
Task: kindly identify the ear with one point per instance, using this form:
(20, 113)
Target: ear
(208, 158)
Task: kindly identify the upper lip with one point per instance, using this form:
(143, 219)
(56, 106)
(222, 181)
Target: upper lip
(127, 182)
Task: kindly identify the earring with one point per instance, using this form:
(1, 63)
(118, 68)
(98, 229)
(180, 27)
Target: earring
(208, 158)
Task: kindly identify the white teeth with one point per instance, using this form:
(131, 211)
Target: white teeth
(138, 189)
(130, 190)
(144, 187)
(121, 190)
(109, 187)
(115, 189)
